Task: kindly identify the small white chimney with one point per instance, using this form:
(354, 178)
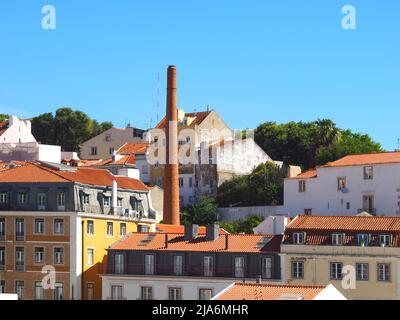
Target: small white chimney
(116, 157)
(114, 196)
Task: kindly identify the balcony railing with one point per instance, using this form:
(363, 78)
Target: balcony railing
(19, 237)
(20, 267)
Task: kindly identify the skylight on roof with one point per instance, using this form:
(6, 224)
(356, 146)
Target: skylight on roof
(263, 242)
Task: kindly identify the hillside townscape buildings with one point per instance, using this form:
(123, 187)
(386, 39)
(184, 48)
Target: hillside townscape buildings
(107, 221)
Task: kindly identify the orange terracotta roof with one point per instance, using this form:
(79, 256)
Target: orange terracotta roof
(176, 242)
(32, 173)
(312, 173)
(129, 148)
(366, 159)
(128, 159)
(11, 164)
(198, 119)
(350, 223)
(319, 229)
(169, 228)
(254, 291)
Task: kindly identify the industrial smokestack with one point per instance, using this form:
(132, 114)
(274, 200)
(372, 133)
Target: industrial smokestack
(171, 174)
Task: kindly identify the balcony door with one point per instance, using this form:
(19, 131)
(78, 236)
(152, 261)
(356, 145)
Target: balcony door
(368, 204)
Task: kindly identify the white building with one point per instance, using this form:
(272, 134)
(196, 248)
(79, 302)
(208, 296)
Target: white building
(188, 266)
(18, 143)
(189, 288)
(272, 225)
(16, 130)
(348, 186)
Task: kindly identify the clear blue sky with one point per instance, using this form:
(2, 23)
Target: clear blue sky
(252, 61)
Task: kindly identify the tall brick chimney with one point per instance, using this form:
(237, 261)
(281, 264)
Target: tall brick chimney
(171, 174)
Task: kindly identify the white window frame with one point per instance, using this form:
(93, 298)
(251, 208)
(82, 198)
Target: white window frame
(149, 264)
(266, 265)
(89, 256)
(90, 228)
(85, 199)
(57, 287)
(336, 271)
(202, 294)
(208, 266)
(239, 264)
(297, 236)
(146, 293)
(58, 257)
(38, 222)
(110, 231)
(119, 266)
(42, 200)
(384, 240)
(120, 292)
(383, 272)
(368, 175)
(58, 226)
(61, 200)
(362, 271)
(297, 269)
(106, 201)
(362, 235)
(122, 229)
(338, 239)
(174, 293)
(3, 197)
(37, 254)
(22, 197)
(178, 265)
(20, 258)
(39, 291)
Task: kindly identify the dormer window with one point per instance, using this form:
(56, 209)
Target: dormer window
(363, 239)
(384, 240)
(298, 237)
(337, 239)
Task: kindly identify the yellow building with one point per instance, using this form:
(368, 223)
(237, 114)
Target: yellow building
(359, 255)
(54, 216)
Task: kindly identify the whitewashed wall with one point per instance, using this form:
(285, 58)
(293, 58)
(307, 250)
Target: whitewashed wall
(323, 197)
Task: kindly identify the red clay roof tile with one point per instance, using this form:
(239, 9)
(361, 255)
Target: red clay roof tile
(254, 291)
(176, 242)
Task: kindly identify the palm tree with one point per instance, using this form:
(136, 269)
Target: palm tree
(324, 134)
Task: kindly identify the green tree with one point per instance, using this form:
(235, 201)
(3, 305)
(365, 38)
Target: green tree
(242, 226)
(3, 116)
(307, 143)
(204, 212)
(67, 128)
(264, 186)
(43, 128)
(348, 143)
